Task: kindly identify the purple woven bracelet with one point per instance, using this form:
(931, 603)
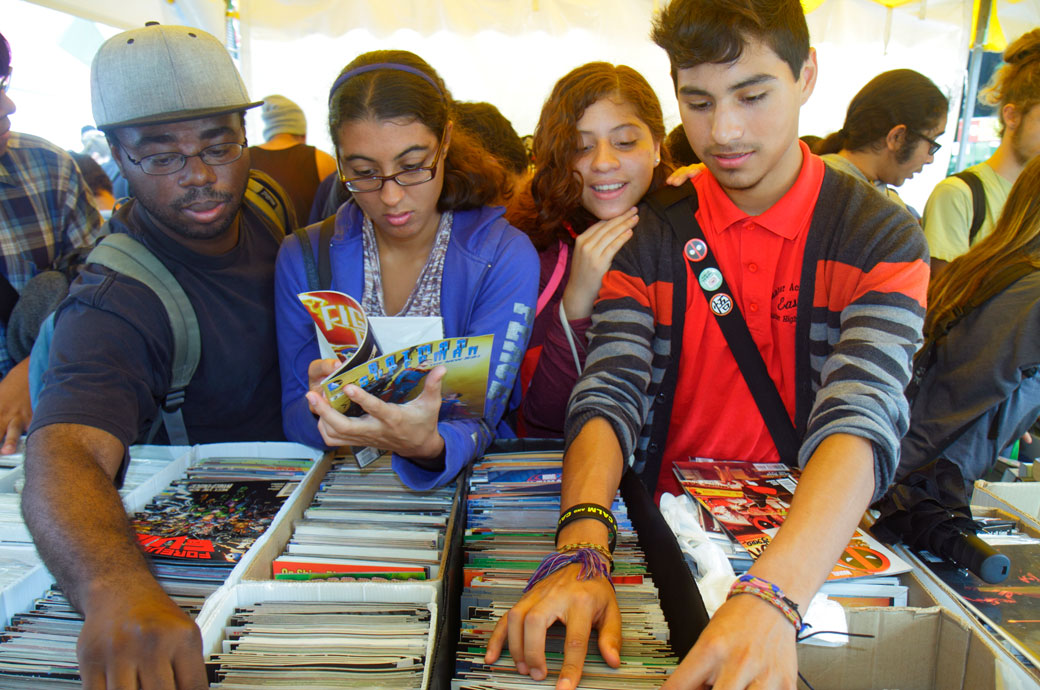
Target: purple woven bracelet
(592, 565)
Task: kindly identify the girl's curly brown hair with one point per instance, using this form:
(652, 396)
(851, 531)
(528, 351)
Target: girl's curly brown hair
(553, 198)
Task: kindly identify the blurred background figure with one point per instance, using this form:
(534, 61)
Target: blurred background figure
(496, 134)
(99, 183)
(286, 157)
(890, 131)
(678, 147)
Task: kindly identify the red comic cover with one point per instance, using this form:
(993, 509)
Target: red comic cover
(209, 523)
(750, 500)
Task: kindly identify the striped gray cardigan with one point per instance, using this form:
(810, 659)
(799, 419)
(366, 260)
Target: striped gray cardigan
(865, 280)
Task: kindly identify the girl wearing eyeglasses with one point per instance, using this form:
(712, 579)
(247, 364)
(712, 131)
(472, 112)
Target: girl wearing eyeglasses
(597, 149)
(417, 239)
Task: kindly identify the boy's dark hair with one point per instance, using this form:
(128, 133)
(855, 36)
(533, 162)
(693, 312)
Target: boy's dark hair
(696, 32)
(5, 57)
(893, 98)
(495, 132)
(679, 149)
(92, 173)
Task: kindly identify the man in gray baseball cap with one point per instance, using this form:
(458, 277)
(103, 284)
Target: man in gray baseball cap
(172, 105)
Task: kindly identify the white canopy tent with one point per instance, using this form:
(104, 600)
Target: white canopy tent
(510, 52)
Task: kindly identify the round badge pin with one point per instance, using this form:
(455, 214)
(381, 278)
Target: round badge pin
(696, 249)
(721, 304)
(710, 279)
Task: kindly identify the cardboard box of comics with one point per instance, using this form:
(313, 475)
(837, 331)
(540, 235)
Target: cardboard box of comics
(333, 634)
(910, 649)
(1021, 499)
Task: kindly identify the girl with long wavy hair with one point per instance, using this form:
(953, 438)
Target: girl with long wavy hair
(597, 151)
(418, 238)
(981, 391)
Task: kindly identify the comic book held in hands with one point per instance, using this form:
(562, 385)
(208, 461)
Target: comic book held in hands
(399, 376)
(749, 501)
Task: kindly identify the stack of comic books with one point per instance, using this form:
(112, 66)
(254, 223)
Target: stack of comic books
(742, 505)
(289, 645)
(195, 532)
(365, 524)
(511, 512)
(38, 648)
(198, 529)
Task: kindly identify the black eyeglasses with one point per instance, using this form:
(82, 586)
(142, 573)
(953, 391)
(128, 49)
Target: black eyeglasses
(5, 82)
(933, 145)
(405, 178)
(169, 163)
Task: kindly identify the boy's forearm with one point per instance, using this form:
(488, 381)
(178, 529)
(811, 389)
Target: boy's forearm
(832, 494)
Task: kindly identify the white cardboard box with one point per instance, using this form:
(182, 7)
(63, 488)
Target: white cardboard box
(19, 596)
(1021, 499)
(278, 535)
(221, 605)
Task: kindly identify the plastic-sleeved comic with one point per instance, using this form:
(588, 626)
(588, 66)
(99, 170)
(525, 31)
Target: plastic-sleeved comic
(750, 501)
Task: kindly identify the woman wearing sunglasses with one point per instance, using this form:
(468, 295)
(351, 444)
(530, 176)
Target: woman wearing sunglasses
(417, 239)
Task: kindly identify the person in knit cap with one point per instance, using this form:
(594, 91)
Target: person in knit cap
(287, 158)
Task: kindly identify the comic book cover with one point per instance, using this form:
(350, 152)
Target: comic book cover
(209, 523)
(342, 323)
(750, 500)
(397, 377)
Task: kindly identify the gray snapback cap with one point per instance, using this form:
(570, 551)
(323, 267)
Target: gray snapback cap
(161, 74)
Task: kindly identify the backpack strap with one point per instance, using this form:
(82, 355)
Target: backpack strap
(319, 273)
(679, 207)
(978, 202)
(124, 254)
(554, 280)
(267, 198)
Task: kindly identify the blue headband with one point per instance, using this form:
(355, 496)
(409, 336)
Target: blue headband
(382, 65)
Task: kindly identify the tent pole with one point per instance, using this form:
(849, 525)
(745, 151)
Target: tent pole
(971, 91)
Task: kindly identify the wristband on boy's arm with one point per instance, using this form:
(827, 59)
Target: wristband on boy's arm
(592, 511)
(771, 594)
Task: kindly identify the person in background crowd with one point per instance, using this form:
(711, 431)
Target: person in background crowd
(830, 280)
(417, 239)
(982, 392)
(890, 131)
(98, 182)
(498, 137)
(598, 151)
(47, 216)
(1015, 93)
(678, 148)
(286, 157)
(111, 359)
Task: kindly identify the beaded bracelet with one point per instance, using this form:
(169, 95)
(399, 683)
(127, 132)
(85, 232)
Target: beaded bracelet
(601, 550)
(595, 512)
(591, 566)
(771, 594)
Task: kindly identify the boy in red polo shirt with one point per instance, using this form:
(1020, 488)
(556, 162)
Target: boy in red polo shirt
(831, 279)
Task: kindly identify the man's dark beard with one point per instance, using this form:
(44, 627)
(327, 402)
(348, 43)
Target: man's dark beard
(172, 222)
